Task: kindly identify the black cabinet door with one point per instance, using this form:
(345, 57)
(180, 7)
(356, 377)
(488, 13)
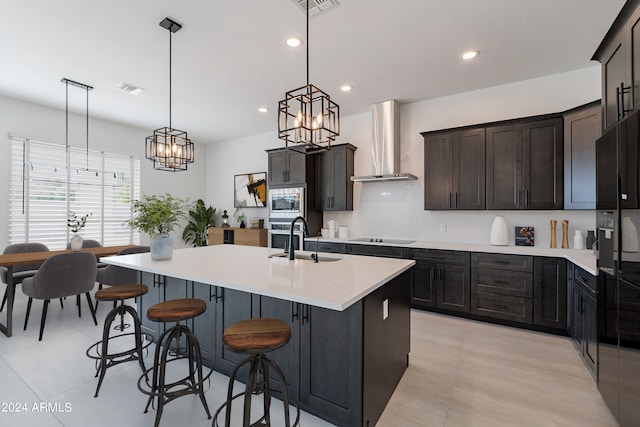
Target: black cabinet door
(606, 170)
(286, 357)
(335, 169)
(550, 292)
(504, 167)
(542, 165)
(577, 333)
(590, 334)
(614, 75)
(278, 167)
(203, 326)
(424, 289)
(155, 294)
(438, 165)
(582, 127)
(455, 170)
(331, 375)
(296, 168)
(231, 307)
(469, 169)
(454, 287)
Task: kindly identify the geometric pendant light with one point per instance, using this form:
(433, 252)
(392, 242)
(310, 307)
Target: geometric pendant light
(308, 120)
(170, 149)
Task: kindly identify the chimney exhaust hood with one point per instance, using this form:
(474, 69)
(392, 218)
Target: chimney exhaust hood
(386, 145)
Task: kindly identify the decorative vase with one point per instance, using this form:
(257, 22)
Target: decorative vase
(578, 240)
(565, 234)
(499, 234)
(591, 238)
(242, 224)
(161, 247)
(553, 244)
(76, 242)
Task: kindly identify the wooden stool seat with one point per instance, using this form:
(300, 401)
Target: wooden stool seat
(176, 310)
(256, 335)
(116, 293)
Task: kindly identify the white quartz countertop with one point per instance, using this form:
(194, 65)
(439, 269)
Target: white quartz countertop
(334, 285)
(584, 259)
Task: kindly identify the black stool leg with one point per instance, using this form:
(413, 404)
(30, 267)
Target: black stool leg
(102, 369)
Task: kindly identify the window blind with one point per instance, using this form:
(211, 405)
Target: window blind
(48, 180)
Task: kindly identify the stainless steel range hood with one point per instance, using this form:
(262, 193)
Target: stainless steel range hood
(386, 145)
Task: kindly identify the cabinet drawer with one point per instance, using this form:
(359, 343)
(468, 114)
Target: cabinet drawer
(444, 257)
(502, 262)
(506, 307)
(501, 282)
(336, 248)
(381, 251)
(587, 280)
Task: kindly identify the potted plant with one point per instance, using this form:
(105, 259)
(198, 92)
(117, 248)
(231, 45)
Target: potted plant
(200, 219)
(158, 216)
(76, 223)
(239, 216)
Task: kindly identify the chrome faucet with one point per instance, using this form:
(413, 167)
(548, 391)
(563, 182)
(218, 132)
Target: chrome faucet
(306, 233)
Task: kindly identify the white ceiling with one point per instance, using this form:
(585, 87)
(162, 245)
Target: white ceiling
(230, 58)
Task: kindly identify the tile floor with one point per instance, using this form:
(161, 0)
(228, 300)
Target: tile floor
(463, 373)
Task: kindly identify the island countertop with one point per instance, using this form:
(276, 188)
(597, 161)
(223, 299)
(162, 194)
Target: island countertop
(334, 285)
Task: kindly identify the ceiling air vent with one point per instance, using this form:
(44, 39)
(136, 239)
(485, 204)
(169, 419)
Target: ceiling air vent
(129, 88)
(316, 6)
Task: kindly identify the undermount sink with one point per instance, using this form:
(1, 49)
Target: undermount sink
(308, 257)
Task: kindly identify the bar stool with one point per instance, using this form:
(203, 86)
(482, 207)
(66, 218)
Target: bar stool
(257, 337)
(100, 350)
(175, 311)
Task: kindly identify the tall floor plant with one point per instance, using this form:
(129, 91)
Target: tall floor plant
(200, 218)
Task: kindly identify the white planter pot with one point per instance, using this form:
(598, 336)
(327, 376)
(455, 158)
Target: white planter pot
(76, 242)
(161, 247)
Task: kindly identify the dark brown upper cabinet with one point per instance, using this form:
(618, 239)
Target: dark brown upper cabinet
(335, 169)
(525, 165)
(455, 170)
(582, 127)
(619, 54)
(288, 167)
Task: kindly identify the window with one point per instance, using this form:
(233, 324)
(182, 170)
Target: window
(42, 190)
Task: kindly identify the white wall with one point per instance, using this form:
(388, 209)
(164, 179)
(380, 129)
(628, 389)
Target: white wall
(26, 120)
(396, 209)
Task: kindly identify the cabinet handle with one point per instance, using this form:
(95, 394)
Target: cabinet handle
(617, 103)
(294, 311)
(328, 201)
(432, 274)
(305, 313)
(449, 201)
(526, 198)
(440, 273)
(456, 199)
(518, 199)
(622, 112)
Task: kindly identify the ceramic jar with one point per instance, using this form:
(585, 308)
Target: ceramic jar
(499, 233)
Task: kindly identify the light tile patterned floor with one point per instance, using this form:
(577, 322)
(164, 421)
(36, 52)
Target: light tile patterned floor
(463, 373)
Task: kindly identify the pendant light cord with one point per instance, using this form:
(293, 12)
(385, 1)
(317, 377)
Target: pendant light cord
(170, 38)
(87, 91)
(307, 43)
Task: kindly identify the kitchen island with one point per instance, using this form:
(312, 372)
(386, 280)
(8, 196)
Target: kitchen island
(349, 317)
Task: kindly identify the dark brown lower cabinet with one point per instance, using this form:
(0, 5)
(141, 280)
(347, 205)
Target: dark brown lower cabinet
(584, 331)
(441, 279)
(501, 286)
(550, 292)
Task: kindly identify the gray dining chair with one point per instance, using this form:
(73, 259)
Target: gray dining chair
(112, 275)
(20, 272)
(60, 276)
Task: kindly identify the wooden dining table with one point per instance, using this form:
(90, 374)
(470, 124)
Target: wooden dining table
(11, 260)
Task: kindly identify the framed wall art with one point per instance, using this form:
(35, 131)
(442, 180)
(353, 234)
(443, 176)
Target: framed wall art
(250, 190)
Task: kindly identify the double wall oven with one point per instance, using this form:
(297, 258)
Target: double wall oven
(284, 205)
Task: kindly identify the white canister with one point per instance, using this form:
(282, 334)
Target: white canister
(499, 233)
(343, 232)
(333, 228)
(325, 233)
(578, 240)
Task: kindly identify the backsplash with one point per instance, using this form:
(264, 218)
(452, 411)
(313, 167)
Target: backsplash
(394, 210)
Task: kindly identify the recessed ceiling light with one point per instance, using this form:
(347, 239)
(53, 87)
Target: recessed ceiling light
(469, 54)
(294, 42)
(263, 109)
(346, 88)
